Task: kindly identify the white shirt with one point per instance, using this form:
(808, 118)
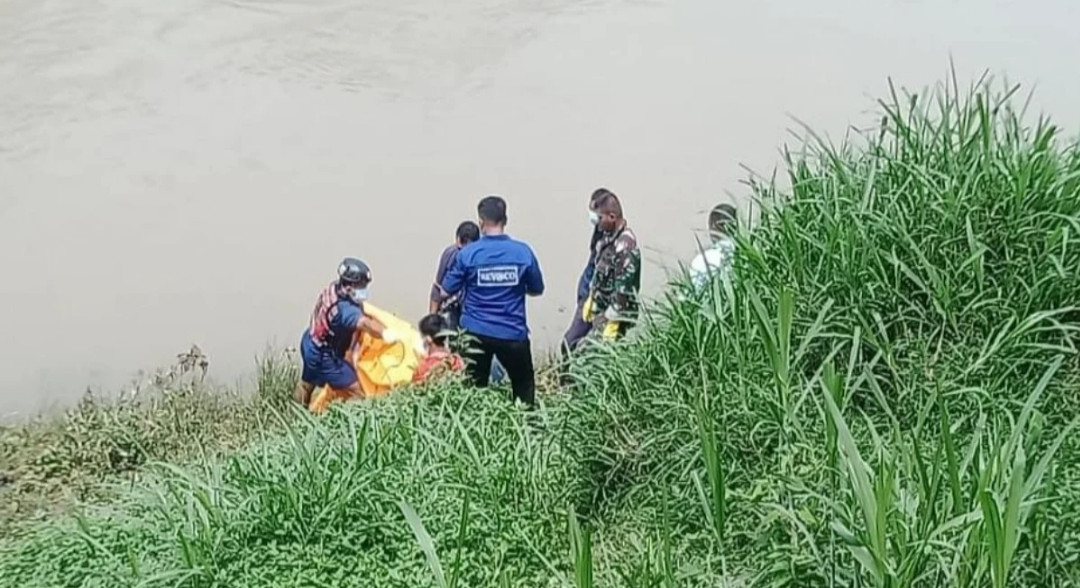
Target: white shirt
(715, 260)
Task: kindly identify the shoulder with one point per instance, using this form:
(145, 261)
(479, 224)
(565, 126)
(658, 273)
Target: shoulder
(512, 250)
(627, 241)
(709, 258)
(446, 258)
(425, 363)
(523, 247)
(348, 311)
(466, 253)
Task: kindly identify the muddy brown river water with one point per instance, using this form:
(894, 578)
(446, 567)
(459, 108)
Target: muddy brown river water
(192, 170)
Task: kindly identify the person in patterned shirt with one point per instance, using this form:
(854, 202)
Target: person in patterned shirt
(612, 305)
(579, 328)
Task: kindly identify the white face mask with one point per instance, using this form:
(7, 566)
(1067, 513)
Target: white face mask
(594, 218)
(359, 294)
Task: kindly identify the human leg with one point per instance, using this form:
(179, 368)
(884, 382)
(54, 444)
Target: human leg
(310, 373)
(480, 356)
(339, 377)
(577, 331)
(303, 392)
(516, 357)
(340, 374)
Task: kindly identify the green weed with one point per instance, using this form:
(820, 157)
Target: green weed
(882, 393)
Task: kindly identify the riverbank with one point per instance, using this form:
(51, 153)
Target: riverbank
(884, 396)
(90, 451)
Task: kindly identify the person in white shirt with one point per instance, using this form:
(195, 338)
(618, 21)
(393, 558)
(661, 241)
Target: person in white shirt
(717, 259)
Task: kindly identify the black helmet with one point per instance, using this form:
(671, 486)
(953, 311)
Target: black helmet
(353, 271)
(722, 217)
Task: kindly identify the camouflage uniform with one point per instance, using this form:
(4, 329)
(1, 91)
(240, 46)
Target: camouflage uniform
(617, 279)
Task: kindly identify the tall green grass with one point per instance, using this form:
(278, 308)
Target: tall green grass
(883, 395)
(888, 382)
(449, 488)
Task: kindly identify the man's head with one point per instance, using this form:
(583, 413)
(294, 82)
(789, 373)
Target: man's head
(722, 221)
(608, 210)
(492, 213)
(434, 330)
(353, 278)
(467, 232)
(598, 194)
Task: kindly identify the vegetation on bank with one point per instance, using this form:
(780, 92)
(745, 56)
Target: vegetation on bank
(96, 449)
(885, 395)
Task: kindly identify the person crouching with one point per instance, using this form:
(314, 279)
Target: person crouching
(439, 360)
(332, 331)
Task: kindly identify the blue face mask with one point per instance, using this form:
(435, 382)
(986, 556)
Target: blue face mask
(359, 294)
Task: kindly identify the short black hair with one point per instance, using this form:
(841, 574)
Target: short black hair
(721, 218)
(492, 209)
(434, 326)
(600, 193)
(606, 201)
(467, 232)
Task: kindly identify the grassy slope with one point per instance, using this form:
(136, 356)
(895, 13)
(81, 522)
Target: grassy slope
(883, 397)
(50, 464)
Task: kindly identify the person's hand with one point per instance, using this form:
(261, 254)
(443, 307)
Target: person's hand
(390, 336)
(586, 310)
(611, 331)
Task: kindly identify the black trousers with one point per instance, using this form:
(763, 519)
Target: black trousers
(516, 359)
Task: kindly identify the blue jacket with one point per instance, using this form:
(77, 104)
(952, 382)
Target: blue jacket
(496, 273)
(590, 268)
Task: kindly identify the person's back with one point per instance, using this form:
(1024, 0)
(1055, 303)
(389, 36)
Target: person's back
(449, 306)
(496, 273)
(500, 272)
(439, 302)
(331, 328)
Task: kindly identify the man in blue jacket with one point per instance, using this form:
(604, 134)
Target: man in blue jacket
(578, 328)
(496, 274)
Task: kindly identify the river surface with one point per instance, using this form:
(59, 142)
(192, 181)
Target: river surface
(191, 171)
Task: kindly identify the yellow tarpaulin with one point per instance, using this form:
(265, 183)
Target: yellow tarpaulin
(379, 365)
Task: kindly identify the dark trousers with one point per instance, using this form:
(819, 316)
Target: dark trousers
(516, 359)
(453, 323)
(577, 331)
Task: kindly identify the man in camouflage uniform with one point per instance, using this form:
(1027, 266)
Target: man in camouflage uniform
(612, 305)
